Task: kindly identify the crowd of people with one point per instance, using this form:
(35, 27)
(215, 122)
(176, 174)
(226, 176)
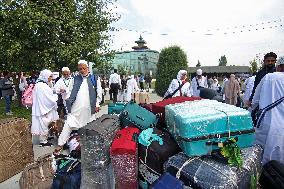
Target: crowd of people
(77, 97)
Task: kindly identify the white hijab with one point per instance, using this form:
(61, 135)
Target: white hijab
(44, 75)
(180, 73)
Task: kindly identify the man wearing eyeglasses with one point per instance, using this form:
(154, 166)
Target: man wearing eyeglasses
(268, 67)
(63, 87)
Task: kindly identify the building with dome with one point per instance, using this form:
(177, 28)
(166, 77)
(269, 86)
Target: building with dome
(140, 60)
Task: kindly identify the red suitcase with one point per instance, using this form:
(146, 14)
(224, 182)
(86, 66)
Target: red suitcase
(159, 107)
(124, 158)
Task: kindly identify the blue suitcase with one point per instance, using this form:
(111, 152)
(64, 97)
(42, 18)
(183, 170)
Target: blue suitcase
(137, 115)
(167, 181)
(116, 108)
(200, 127)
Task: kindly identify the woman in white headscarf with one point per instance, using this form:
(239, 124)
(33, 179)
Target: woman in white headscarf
(131, 87)
(179, 82)
(44, 108)
(215, 85)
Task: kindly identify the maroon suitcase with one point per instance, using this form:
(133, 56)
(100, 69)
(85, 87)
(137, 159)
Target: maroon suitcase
(124, 158)
(159, 107)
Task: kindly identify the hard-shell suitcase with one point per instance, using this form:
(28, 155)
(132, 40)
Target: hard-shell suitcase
(96, 139)
(159, 107)
(37, 175)
(272, 175)
(202, 126)
(141, 97)
(116, 108)
(167, 181)
(16, 149)
(152, 157)
(208, 172)
(124, 158)
(135, 114)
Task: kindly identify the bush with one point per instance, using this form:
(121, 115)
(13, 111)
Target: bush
(171, 60)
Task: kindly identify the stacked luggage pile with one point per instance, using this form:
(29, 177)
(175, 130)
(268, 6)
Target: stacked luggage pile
(176, 143)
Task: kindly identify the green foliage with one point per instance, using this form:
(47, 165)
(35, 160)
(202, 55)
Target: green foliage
(253, 66)
(171, 60)
(223, 61)
(53, 34)
(232, 152)
(121, 70)
(198, 64)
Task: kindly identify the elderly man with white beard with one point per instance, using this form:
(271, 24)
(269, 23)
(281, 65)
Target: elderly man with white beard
(83, 102)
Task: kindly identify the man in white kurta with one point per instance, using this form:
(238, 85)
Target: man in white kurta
(64, 85)
(81, 111)
(174, 85)
(131, 87)
(198, 82)
(270, 133)
(44, 108)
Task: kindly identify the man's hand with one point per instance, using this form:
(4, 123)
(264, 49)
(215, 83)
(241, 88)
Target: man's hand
(62, 90)
(58, 150)
(97, 109)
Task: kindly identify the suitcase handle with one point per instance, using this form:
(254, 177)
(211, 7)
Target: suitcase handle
(141, 118)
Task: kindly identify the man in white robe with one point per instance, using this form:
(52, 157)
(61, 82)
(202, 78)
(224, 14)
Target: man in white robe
(131, 87)
(83, 103)
(63, 87)
(248, 86)
(270, 133)
(44, 108)
(198, 82)
(174, 85)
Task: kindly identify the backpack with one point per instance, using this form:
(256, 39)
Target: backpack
(27, 96)
(68, 174)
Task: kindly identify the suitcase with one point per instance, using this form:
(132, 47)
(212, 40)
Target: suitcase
(37, 175)
(207, 93)
(208, 172)
(96, 138)
(140, 117)
(152, 158)
(159, 107)
(116, 108)
(16, 149)
(272, 175)
(167, 181)
(124, 158)
(147, 107)
(202, 126)
(135, 97)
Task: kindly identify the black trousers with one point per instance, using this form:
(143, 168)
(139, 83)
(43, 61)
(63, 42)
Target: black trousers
(114, 90)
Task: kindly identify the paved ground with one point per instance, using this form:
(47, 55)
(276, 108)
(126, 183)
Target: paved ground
(13, 183)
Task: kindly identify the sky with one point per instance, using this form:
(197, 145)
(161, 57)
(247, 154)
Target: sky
(205, 29)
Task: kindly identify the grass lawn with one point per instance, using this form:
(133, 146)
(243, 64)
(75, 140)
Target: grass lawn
(17, 111)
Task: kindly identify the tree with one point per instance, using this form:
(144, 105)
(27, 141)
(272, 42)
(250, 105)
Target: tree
(171, 60)
(52, 34)
(253, 66)
(121, 70)
(198, 64)
(223, 61)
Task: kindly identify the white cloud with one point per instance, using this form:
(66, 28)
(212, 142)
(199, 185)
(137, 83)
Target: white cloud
(180, 17)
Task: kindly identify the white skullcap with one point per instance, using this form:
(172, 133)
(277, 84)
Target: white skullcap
(83, 62)
(280, 61)
(65, 69)
(199, 72)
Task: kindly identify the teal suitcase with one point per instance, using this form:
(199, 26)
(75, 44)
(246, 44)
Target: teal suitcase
(137, 115)
(116, 108)
(199, 127)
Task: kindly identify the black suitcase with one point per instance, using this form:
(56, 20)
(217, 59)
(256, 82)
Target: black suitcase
(207, 93)
(272, 175)
(152, 158)
(96, 138)
(208, 172)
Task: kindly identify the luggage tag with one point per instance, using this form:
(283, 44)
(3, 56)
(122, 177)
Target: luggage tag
(220, 143)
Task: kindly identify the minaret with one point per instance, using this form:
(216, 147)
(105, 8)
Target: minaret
(141, 44)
